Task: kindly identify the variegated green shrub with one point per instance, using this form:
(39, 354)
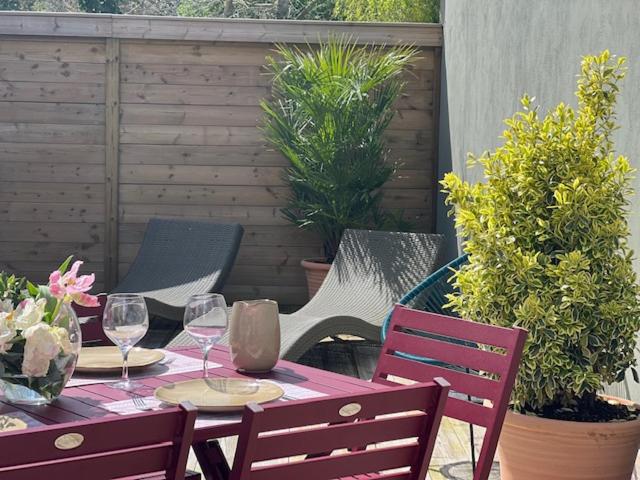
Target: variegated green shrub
(547, 235)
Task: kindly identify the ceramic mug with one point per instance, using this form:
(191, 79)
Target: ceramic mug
(254, 335)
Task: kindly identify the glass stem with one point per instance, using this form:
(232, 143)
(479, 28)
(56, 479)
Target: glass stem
(125, 365)
(205, 355)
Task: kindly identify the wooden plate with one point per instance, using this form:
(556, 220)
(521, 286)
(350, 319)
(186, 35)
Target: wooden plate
(109, 359)
(219, 394)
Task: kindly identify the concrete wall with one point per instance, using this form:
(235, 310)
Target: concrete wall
(496, 50)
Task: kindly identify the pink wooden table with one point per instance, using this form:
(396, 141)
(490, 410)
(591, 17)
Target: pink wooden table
(82, 402)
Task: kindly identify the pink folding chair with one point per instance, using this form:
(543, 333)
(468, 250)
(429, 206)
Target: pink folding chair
(483, 373)
(349, 422)
(150, 445)
(91, 323)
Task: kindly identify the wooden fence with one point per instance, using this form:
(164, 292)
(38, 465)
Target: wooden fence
(106, 121)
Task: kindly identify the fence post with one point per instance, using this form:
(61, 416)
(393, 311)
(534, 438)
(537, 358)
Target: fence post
(112, 157)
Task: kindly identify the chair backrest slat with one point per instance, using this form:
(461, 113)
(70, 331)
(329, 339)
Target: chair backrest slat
(407, 416)
(116, 464)
(330, 467)
(445, 352)
(471, 384)
(457, 328)
(110, 447)
(420, 345)
(343, 435)
(384, 402)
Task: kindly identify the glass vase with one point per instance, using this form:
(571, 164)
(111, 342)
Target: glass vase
(36, 382)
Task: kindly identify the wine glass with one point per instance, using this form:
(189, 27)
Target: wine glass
(125, 322)
(205, 319)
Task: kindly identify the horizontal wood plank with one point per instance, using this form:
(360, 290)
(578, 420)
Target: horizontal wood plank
(234, 95)
(52, 153)
(45, 50)
(28, 231)
(192, 94)
(52, 113)
(196, 53)
(254, 215)
(267, 236)
(190, 135)
(51, 92)
(52, 212)
(46, 266)
(241, 155)
(241, 136)
(240, 176)
(248, 216)
(254, 155)
(215, 29)
(238, 116)
(239, 75)
(248, 195)
(210, 75)
(51, 133)
(30, 70)
(50, 252)
(197, 175)
(257, 255)
(74, 193)
(51, 173)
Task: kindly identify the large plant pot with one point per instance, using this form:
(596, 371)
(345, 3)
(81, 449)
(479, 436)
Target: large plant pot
(316, 270)
(533, 448)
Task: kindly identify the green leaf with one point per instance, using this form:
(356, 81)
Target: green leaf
(33, 289)
(63, 267)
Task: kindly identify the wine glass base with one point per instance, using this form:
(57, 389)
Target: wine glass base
(126, 385)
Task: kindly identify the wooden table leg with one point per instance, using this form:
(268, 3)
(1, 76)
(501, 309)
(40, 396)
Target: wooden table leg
(212, 461)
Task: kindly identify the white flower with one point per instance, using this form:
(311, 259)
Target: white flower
(40, 348)
(6, 306)
(7, 330)
(29, 312)
(62, 337)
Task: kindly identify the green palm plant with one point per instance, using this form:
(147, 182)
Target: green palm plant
(330, 108)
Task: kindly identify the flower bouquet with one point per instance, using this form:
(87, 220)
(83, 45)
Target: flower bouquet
(40, 334)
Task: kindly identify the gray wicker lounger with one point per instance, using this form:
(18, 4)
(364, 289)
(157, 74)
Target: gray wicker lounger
(371, 272)
(179, 258)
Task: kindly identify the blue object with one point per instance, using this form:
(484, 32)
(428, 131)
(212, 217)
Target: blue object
(429, 296)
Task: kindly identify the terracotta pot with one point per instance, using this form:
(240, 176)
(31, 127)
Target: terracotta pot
(254, 335)
(533, 448)
(316, 270)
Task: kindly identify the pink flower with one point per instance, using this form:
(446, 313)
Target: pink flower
(69, 287)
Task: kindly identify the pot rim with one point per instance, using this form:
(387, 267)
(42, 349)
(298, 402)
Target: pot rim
(534, 422)
(316, 263)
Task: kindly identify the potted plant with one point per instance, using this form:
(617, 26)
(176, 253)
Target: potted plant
(546, 236)
(330, 108)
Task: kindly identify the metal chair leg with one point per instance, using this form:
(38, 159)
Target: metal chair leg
(472, 440)
(473, 448)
